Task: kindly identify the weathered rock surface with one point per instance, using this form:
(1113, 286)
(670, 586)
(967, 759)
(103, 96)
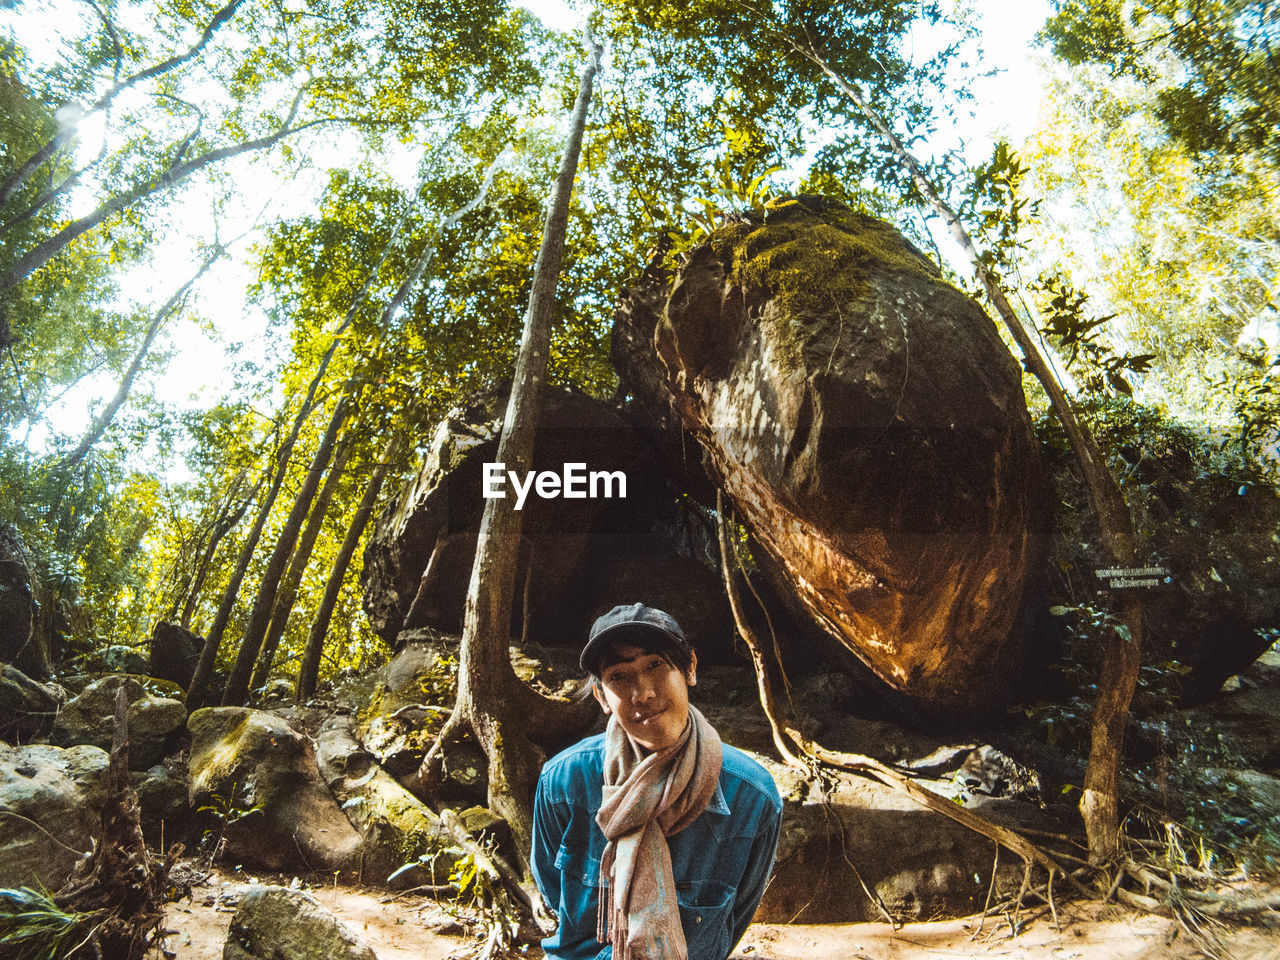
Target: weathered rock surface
(869, 426)
(275, 923)
(396, 827)
(155, 722)
(263, 774)
(18, 608)
(405, 710)
(921, 865)
(162, 800)
(174, 652)
(1217, 533)
(50, 805)
(577, 554)
(27, 708)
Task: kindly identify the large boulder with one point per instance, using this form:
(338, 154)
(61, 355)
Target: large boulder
(396, 826)
(868, 424)
(174, 652)
(276, 923)
(19, 644)
(156, 721)
(259, 777)
(577, 555)
(27, 708)
(50, 806)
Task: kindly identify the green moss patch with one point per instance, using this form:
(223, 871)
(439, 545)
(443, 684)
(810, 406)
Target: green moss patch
(813, 255)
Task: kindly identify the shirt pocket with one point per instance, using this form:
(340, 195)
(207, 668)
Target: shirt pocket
(579, 889)
(706, 909)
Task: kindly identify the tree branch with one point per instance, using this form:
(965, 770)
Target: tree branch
(64, 136)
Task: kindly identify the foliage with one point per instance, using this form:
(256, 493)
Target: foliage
(1180, 245)
(33, 927)
(1180, 776)
(1254, 397)
(1221, 96)
(1002, 217)
(224, 811)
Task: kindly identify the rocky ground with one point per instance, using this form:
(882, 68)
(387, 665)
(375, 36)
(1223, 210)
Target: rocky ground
(408, 927)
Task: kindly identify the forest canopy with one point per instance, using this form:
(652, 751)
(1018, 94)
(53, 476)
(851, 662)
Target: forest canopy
(336, 207)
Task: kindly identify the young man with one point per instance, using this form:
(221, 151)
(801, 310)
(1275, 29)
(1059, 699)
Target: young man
(653, 840)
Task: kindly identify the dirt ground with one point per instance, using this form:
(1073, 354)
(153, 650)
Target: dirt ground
(414, 928)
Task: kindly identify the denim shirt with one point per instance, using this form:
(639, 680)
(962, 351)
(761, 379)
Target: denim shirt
(721, 861)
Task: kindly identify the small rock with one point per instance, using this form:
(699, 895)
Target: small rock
(275, 923)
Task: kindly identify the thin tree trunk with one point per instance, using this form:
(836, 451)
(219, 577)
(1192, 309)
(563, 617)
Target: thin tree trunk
(288, 592)
(204, 669)
(309, 669)
(1099, 804)
(103, 419)
(198, 688)
(229, 518)
(223, 522)
(500, 709)
(43, 200)
(237, 691)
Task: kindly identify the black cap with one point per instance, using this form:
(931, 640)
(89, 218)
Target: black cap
(633, 618)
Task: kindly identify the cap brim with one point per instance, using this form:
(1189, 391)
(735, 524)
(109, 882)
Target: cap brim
(596, 645)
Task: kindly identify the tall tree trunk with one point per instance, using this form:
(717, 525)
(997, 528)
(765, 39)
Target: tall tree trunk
(204, 668)
(500, 709)
(309, 669)
(288, 592)
(1099, 804)
(197, 691)
(237, 692)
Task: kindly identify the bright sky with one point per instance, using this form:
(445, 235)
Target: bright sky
(198, 371)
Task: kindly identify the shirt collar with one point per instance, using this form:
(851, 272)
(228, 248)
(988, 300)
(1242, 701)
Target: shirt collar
(718, 804)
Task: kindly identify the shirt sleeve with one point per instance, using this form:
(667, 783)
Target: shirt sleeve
(756, 876)
(550, 821)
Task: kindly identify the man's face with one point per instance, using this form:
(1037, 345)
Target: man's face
(649, 695)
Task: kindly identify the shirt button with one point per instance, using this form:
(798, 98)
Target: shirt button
(697, 919)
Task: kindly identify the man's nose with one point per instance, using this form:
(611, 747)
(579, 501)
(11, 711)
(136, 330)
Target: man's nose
(643, 690)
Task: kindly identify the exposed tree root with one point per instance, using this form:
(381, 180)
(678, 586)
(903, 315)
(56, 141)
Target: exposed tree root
(808, 756)
(1167, 890)
(118, 890)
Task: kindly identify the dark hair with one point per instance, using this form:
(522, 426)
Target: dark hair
(650, 641)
